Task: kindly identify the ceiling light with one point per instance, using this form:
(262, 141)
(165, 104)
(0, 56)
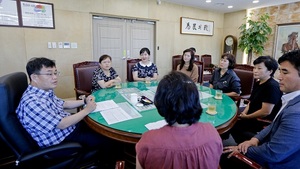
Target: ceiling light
(230, 6)
(255, 1)
(208, 1)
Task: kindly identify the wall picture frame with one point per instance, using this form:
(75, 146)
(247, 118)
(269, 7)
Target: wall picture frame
(196, 26)
(286, 38)
(37, 14)
(9, 13)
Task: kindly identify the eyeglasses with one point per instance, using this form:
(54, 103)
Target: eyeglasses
(49, 74)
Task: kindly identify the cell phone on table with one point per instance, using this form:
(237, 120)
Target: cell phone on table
(145, 101)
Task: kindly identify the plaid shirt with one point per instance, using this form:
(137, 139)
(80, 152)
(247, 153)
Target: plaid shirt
(40, 112)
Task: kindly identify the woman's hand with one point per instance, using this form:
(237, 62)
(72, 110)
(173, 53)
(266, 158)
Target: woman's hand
(243, 115)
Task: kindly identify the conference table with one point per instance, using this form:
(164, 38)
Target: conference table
(130, 131)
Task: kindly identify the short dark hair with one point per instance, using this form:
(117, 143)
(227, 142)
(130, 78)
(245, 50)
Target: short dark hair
(293, 57)
(230, 58)
(34, 65)
(145, 50)
(177, 99)
(103, 57)
(190, 68)
(269, 62)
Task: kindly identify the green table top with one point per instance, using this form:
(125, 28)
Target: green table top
(226, 109)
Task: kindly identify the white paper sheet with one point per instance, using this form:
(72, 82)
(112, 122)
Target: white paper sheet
(204, 95)
(104, 105)
(121, 113)
(156, 125)
(115, 115)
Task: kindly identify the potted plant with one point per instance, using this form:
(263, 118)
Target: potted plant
(253, 37)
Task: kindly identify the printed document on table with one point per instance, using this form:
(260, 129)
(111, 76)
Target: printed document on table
(156, 125)
(122, 113)
(104, 105)
(204, 95)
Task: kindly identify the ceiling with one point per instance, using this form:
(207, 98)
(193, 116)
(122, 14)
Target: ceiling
(222, 5)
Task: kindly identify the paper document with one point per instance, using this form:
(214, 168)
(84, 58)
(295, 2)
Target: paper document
(121, 113)
(109, 104)
(156, 125)
(204, 95)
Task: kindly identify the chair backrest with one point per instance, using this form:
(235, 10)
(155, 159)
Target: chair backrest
(206, 59)
(83, 74)
(176, 61)
(245, 73)
(200, 71)
(12, 87)
(130, 64)
(244, 67)
(197, 57)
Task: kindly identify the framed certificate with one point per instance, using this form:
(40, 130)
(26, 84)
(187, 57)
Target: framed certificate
(9, 13)
(37, 14)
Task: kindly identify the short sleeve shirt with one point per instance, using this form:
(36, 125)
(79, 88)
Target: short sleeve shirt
(145, 70)
(193, 147)
(268, 92)
(229, 82)
(99, 75)
(40, 112)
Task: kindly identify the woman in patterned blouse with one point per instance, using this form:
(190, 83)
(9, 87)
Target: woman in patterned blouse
(145, 68)
(105, 76)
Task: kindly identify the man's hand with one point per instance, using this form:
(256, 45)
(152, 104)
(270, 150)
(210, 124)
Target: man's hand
(243, 147)
(90, 104)
(231, 150)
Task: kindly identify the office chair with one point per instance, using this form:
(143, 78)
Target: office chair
(176, 61)
(245, 73)
(130, 64)
(238, 160)
(27, 152)
(206, 59)
(200, 71)
(83, 74)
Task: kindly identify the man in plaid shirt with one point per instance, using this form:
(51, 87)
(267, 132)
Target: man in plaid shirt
(42, 113)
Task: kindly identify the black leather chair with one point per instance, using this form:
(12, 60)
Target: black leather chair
(27, 152)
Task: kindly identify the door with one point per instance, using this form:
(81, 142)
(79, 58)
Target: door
(122, 39)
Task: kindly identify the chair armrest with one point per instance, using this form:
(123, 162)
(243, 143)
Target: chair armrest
(264, 122)
(62, 150)
(81, 92)
(240, 158)
(238, 99)
(120, 165)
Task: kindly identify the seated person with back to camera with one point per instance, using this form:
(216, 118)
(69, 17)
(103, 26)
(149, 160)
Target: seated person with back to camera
(105, 76)
(184, 142)
(43, 116)
(145, 68)
(224, 78)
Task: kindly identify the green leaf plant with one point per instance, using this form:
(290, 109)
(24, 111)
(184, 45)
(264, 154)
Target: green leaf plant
(253, 37)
